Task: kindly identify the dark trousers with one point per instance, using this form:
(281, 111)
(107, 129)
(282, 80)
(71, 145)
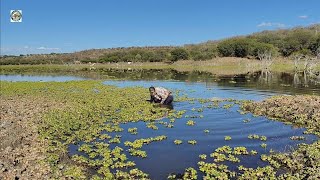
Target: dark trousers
(166, 102)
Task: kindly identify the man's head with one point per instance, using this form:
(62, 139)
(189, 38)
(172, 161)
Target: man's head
(152, 90)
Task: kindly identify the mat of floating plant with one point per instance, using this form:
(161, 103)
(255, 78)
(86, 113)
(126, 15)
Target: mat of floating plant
(114, 133)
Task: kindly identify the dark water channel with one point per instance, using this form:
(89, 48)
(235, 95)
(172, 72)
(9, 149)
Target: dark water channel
(165, 157)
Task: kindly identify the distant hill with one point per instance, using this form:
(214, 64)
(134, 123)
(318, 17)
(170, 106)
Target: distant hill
(284, 42)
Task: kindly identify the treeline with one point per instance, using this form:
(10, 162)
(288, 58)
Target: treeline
(304, 40)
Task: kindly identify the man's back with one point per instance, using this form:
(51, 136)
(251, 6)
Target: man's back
(162, 92)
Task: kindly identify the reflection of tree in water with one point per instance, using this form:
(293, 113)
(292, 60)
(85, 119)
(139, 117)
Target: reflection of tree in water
(302, 79)
(266, 59)
(266, 77)
(156, 74)
(296, 79)
(306, 65)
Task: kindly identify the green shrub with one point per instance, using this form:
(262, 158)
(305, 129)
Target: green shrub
(179, 54)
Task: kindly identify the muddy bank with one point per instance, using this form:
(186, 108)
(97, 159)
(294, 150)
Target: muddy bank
(22, 153)
(304, 111)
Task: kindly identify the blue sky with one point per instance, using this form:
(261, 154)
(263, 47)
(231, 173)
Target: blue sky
(73, 25)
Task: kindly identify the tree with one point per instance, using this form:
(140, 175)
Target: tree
(179, 54)
(260, 48)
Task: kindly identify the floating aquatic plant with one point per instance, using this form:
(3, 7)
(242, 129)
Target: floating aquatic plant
(263, 145)
(240, 150)
(190, 173)
(203, 156)
(224, 149)
(253, 136)
(227, 106)
(192, 142)
(263, 138)
(177, 142)
(136, 152)
(190, 123)
(133, 130)
(92, 120)
(299, 138)
(227, 138)
(253, 152)
(152, 126)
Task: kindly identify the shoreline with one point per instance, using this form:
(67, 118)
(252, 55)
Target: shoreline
(217, 66)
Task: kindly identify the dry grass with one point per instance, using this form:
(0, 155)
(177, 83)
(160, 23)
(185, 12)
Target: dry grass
(217, 66)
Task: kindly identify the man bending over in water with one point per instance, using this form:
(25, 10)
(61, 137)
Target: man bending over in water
(160, 95)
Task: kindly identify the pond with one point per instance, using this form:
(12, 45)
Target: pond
(166, 157)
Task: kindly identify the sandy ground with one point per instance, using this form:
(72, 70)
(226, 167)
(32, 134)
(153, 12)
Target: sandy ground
(21, 151)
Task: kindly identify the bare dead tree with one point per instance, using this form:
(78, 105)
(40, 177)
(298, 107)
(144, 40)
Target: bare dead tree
(307, 66)
(266, 62)
(297, 59)
(266, 59)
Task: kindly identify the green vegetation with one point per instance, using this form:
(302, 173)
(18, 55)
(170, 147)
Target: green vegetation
(227, 138)
(190, 123)
(301, 110)
(255, 136)
(192, 142)
(203, 156)
(133, 130)
(179, 54)
(206, 131)
(177, 142)
(263, 138)
(244, 47)
(190, 174)
(86, 122)
(264, 145)
(282, 42)
(298, 138)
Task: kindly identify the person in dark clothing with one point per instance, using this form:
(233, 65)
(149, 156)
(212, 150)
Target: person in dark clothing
(160, 95)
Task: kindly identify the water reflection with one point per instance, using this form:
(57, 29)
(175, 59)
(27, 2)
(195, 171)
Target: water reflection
(279, 82)
(298, 83)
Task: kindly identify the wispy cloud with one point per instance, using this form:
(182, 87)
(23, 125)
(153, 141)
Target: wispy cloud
(314, 23)
(303, 17)
(271, 24)
(47, 48)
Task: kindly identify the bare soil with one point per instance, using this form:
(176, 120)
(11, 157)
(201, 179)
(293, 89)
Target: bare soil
(22, 152)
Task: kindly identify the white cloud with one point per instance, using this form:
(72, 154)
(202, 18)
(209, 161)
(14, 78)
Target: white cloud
(263, 24)
(26, 47)
(270, 24)
(303, 17)
(46, 48)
